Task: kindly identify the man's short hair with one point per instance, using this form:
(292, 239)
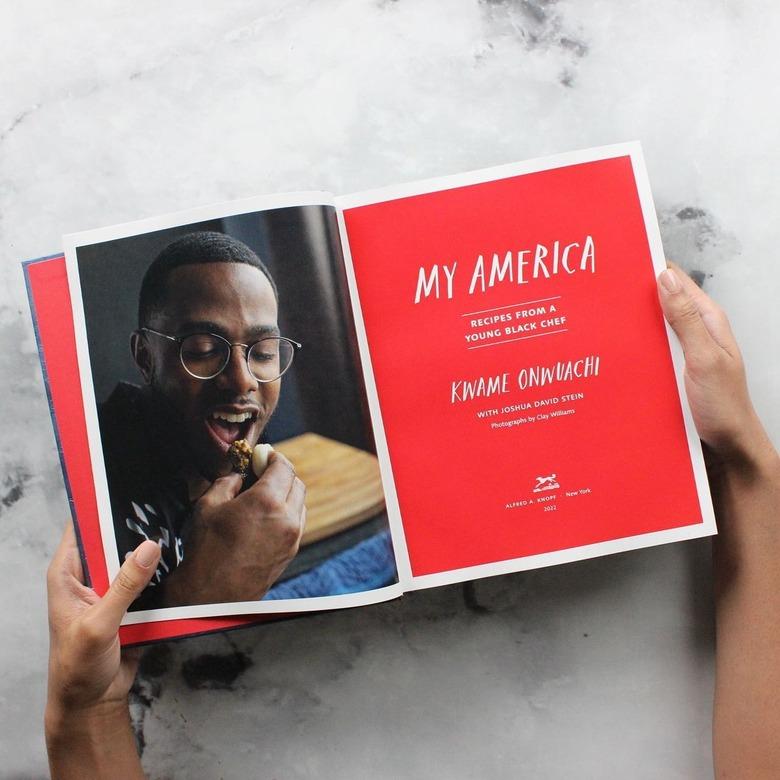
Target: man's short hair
(192, 249)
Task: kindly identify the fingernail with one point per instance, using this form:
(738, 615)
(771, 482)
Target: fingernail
(146, 553)
(670, 281)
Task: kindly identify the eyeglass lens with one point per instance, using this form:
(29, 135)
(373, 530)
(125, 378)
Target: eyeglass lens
(205, 355)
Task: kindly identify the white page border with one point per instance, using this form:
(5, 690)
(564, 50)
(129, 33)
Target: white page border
(273, 607)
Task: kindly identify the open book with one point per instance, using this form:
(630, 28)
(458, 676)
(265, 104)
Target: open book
(471, 375)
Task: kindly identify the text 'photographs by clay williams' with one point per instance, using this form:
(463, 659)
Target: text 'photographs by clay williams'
(313, 402)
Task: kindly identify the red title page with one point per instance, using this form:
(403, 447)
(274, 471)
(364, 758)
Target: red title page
(522, 366)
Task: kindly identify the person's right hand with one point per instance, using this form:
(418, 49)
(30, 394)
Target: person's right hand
(714, 372)
(240, 543)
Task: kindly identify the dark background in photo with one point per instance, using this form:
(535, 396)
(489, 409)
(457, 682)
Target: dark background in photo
(323, 391)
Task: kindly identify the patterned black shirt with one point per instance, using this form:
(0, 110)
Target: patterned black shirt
(149, 497)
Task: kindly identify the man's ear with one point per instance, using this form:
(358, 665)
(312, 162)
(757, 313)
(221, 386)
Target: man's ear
(142, 355)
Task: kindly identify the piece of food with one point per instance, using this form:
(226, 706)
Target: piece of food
(260, 456)
(240, 453)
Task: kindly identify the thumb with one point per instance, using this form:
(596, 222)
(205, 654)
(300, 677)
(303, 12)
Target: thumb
(223, 489)
(133, 577)
(683, 314)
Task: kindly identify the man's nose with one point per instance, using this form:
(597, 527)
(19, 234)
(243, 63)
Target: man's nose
(236, 375)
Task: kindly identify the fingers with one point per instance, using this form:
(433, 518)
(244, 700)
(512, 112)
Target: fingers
(133, 577)
(713, 317)
(302, 527)
(280, 494)
(223, 489)
(296, 509)
(66, 561)
(297, 496)
(131, 658)
(683, 314)
(276, 482)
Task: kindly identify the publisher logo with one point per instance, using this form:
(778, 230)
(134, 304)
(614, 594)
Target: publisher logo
(546, 494)
(546, 483)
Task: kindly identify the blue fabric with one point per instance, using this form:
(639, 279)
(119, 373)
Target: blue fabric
(368, 565)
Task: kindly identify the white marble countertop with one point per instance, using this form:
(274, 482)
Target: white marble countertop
(114, 111)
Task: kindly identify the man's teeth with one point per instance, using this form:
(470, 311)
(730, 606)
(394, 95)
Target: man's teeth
(232, 418)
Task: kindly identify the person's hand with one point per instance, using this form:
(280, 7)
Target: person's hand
(714, 372)
(240, 543)
(744, 472)
(89, 677)
(86, 668)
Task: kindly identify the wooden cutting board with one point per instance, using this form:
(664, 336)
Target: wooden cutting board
(343, 486)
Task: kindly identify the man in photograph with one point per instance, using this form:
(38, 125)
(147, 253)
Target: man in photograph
(211, 357)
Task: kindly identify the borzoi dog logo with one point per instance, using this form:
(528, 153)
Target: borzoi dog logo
(546, 483)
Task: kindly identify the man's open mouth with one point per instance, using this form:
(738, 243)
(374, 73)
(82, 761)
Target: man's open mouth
(227, 427)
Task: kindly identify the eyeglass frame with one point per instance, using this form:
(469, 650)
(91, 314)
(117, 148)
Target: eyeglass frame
(247, 348)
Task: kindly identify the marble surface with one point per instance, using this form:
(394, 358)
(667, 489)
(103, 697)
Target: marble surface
(113, 111)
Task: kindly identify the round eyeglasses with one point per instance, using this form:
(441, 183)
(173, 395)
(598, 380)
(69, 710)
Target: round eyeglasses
(205, 355)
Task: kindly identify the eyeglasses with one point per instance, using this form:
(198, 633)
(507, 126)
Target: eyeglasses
(205, 355)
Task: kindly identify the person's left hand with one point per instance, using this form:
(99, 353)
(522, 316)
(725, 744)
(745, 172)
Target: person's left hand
(87, 672)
